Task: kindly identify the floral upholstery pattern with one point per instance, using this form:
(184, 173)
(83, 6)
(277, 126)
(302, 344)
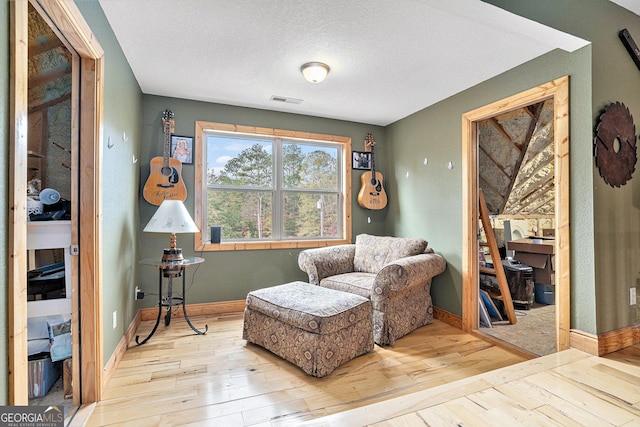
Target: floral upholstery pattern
(338, 259)
(317, 329)
(374, 252)
(399, 291)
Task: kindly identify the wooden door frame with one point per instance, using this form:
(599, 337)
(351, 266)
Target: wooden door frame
(87, 109)
(558, 90)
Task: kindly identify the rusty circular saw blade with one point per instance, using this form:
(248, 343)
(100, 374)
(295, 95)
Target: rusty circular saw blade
(615, 161)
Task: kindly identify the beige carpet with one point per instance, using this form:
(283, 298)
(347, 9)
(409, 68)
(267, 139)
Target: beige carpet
(535, 330)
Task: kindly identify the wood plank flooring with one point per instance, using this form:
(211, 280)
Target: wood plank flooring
(179, 378)
(570, 388)
(437, 375)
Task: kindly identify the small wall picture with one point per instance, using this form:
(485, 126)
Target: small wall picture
(182, 148)
(361, 160)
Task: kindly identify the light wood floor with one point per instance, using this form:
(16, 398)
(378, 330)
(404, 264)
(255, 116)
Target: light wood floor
(570, 388)
(178, 378)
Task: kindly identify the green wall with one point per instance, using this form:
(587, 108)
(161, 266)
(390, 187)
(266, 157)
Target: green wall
(430, 200)
(616, 211)
(605, 221)
(4, 195)
(230, 275)
(120, 175)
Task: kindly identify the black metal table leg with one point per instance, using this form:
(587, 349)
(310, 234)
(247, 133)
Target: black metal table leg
(184, 309)
(169, 303)
(170, 270)
(153, 331)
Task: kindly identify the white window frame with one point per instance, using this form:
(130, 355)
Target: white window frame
(200, 188)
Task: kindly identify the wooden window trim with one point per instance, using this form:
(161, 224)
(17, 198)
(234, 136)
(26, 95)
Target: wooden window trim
(201, 245)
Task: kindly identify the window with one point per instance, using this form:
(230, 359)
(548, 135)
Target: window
(270, 188)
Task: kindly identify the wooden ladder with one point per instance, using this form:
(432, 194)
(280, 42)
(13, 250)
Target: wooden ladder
(498, 269)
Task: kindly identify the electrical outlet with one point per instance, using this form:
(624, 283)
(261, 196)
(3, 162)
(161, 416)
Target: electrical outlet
(115, 319)
(632, 296)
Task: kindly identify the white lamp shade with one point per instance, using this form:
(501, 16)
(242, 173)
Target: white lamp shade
(315, 72)
(171, 217)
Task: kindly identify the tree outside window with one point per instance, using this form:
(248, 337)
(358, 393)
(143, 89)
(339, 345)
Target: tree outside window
(261, 188)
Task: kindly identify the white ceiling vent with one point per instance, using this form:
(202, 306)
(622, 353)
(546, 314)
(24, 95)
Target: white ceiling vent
(285, 99)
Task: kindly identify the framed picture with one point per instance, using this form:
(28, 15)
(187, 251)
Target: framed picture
(361, 160)
(182, 148)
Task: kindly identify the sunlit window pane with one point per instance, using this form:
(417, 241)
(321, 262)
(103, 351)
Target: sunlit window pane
(310, 215)
(310, 166)
(242, 215)
(261, 187)
(237, 162)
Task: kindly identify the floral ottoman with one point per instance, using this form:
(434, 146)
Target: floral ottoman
(315, 328)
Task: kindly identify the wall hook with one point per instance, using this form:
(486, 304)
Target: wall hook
(109, 143)
(125, 138)
(134, 159)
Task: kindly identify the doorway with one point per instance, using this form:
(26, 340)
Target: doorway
(86, 110)
(516, 176)
(49, 198)
(556, 92)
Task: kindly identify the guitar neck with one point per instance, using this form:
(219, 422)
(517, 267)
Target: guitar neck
(167, 142)
(373, 162)
(371, 143)
(373, 168)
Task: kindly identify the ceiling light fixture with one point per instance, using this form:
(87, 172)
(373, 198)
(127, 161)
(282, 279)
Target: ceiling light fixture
(315, 72)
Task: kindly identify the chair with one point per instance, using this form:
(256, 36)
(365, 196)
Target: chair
(394, 273)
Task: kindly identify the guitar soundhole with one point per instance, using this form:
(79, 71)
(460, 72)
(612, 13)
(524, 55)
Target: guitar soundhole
(376, 184)
(174, 177)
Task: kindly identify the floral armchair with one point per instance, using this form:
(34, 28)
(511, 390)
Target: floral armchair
(395, 273)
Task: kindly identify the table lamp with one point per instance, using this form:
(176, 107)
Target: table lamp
(171, 217)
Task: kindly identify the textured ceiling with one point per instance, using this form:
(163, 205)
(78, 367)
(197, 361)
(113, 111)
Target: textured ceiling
(632, 5)
(388, 59)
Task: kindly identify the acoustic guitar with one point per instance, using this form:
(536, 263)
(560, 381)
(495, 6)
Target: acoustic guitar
(165, 181)
(372, 195)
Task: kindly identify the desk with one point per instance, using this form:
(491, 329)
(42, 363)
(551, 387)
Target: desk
(169, 270)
